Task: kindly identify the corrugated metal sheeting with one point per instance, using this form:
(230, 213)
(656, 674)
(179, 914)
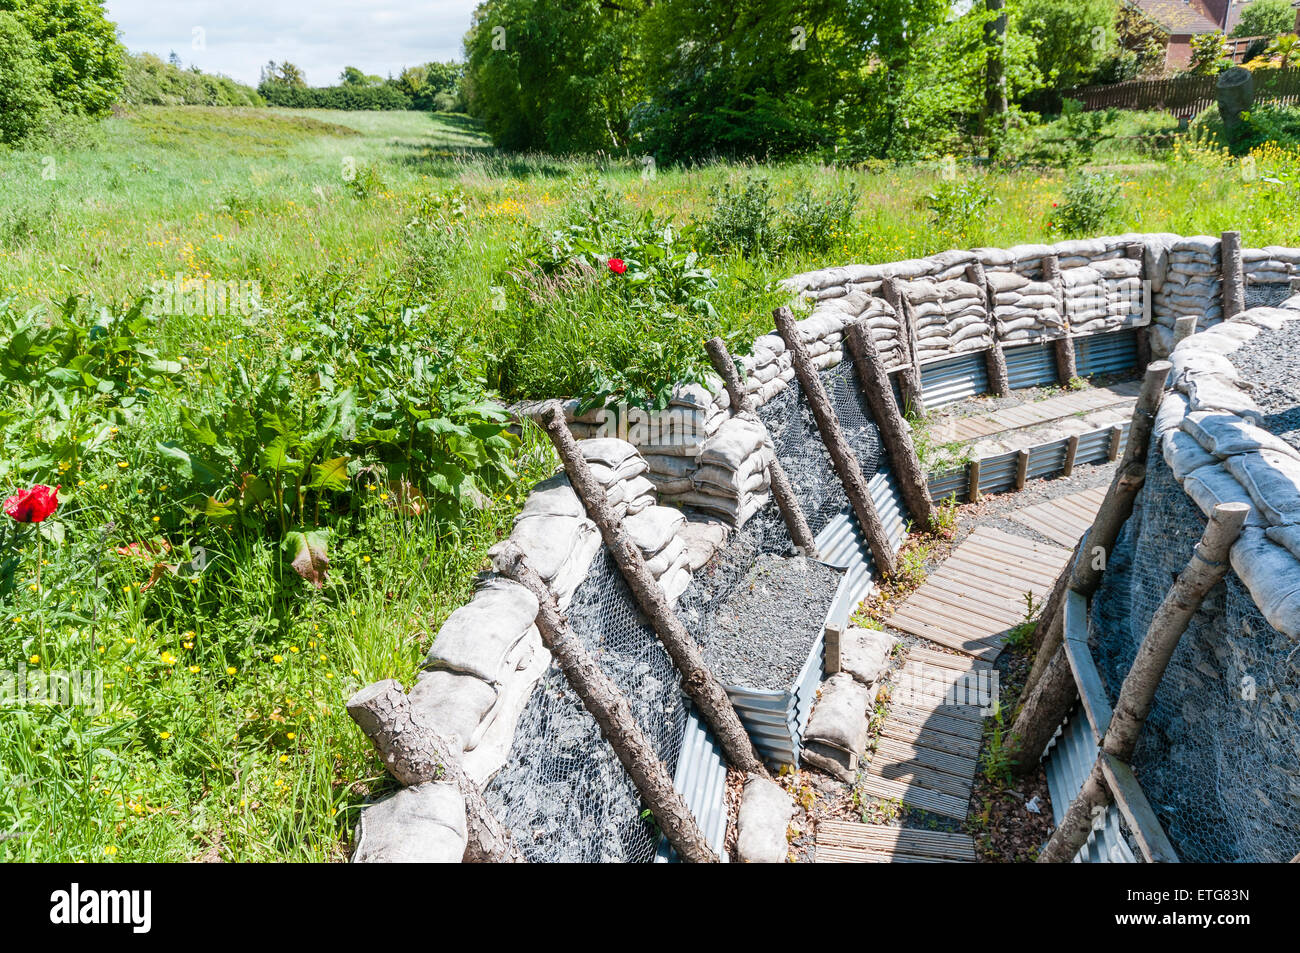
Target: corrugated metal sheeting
(1069, 760)
(776, 720)
(1106, 353)
(1030, 365)
(998, 473)
(957, 378)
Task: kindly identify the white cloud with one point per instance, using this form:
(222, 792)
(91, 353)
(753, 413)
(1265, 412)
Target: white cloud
(238, 36)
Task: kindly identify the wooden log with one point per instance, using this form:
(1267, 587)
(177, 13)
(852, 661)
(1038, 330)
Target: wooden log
(1067, 368)
(1022, 467)
(413, 752)
(995, 358)
(973, 481)
(909, 378)
(1084, 579)
(698, 681)
(1234, 275)
(1042, 709)
(834, 640)
(1077, 824)
(1116, 438)
(844, 460)
(1071, 454)
(796, 523)
(609, 707)
(894, 432)
(1184, 327)
(1208, 565)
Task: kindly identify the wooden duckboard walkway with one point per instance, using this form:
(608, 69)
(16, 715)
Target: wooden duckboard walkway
(1064, 519)
(976, 426)
(978, 595)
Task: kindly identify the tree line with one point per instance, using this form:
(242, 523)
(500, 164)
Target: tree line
(428, 87)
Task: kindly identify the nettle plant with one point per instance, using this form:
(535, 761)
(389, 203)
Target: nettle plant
(70, 378)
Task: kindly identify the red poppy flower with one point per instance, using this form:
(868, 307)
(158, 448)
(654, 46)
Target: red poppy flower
(34, 505)
(617, 266)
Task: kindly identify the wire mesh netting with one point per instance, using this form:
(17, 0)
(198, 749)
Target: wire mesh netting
(562, 792)
(1218, 756)
(1268, 295)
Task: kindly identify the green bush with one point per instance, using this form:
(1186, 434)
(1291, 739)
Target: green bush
(26, 105)
(152, 82)
(956, 207)
(78, 44)
(744, 219)
(1090, 204)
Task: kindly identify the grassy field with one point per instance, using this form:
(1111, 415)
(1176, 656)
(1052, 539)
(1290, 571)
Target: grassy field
(383, 244)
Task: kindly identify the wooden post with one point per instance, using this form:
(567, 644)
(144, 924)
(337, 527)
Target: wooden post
(1208, 565)
(973, 481)
(1071, 452)
(842, 456)
(874, 381)
(1234, 275)
(1022, 468)
(786, 500)
(1116, 438)
(698, 681)
(834, 640)
(1184, 327)
(1063, 347)
(414, 753)
(909, 377)
(1137, 251)
(995, 359)
(609, 707)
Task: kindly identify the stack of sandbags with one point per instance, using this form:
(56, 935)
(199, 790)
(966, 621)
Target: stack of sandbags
(1027, 260)
(732, 479)
(767, 369)
(482, 667)
(1103, 296)
(1270, 265)
(950, 318)
(1086, 251)
(886, 332)
(1189, 285)
(1026, 310)
(657, 532)
(620, 469)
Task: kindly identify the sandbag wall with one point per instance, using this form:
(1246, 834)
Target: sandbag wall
(1102, 288)
(1218, 757)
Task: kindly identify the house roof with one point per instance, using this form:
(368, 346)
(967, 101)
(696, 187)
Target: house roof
(1176, 16)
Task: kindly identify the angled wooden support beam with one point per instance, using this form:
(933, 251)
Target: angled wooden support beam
(909, 378)
(796, 523)
(602, 698)
(698, 681)
(897, 436)
(995, 358)
(843, 458)
(413, 752)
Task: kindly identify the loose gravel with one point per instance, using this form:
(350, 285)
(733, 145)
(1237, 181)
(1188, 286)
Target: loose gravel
(1267, 363)
(765, 630)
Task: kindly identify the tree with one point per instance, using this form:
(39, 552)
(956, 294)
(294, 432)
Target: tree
(1266, 18)
(351, 76)
(1209, 54)
(78, 45)
(1073, 37)
(25, 100)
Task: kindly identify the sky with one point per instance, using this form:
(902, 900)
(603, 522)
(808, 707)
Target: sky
(237, 37)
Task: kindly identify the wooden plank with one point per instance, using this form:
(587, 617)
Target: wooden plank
(966, 605)
(920, 776)
(897, 752)
(840, 855)
(960, 663)
(981, 648)
(961, 727)
(947, 805)
(1092, 692)
(846, 835)
(1133, 804)
(905, 733)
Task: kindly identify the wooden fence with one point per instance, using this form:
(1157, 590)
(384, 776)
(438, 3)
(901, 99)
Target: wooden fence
(1185, 96)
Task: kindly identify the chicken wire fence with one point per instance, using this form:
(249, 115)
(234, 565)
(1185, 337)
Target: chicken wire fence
(1268, 295)
(1217, 757)
(563, 793)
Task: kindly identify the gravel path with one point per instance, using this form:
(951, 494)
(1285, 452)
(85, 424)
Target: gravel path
(764, 632)
(1268, 364)
(988, 403)
(995, 510)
